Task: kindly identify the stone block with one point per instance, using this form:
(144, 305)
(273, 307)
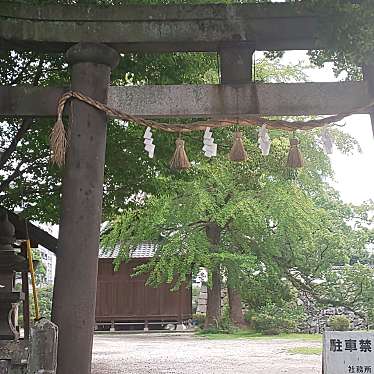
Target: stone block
(43, 359)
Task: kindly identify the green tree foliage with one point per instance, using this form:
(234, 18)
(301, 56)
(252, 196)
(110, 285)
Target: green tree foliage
(351, 286)
(28, 179)
(274, 319)
(45, 295)
(40, 269)
(348, 32)
(269, 223)
(264, 287)
(339, 323)
(271, 226)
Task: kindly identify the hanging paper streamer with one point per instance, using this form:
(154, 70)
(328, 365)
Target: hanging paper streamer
(327, 141)
(295, 159)
(148, 142)
(238, 152)
(264, 141)
(210, 148)
(180, 159)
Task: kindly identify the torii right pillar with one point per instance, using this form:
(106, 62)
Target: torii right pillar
(368, 71)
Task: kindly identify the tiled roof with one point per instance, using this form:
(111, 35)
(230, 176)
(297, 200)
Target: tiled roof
(143, 250)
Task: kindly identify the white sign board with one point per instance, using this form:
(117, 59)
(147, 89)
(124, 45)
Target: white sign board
(346, 352)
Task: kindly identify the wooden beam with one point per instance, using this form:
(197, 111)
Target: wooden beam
(285, 99)
(36, 234)
(158, 28)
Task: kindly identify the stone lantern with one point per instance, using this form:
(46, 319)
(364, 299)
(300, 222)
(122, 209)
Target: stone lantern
(10, 262)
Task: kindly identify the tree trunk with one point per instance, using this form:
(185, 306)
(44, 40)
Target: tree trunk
(213, 310)
(235, 304)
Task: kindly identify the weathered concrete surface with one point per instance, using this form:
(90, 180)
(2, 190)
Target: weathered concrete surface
(202, 100)
(14, 355)
(187, 354)
(220, 101)
(74, 295)
(44, 348)
(158, 28)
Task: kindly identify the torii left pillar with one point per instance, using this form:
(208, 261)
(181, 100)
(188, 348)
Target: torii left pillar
(76, 270)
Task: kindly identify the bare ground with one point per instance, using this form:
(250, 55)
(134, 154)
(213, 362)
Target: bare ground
(189, 354)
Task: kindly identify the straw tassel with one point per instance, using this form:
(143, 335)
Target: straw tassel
(295, 158)
(238, 152)
(180, 159)
(58, 142)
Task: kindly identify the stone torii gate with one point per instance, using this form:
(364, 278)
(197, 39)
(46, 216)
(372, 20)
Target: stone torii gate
(92, 38)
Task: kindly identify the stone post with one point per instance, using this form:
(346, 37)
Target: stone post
(236, 62)
(43, 358)
(76, 269)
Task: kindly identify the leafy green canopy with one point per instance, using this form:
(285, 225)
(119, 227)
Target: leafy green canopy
(269, 223)
(348, 30)
(27, 178)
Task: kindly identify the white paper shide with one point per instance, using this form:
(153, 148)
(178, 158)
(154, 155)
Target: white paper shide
(327, 140)
(209, 148)
(264, 141)
(148, 142)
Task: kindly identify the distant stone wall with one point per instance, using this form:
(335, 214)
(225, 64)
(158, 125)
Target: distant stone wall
(318, 320)
(203, 299)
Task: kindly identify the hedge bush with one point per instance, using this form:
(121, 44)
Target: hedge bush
(273, 319)
(339, 323)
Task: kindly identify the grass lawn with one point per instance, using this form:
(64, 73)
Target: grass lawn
(306, 350)
(249, 334)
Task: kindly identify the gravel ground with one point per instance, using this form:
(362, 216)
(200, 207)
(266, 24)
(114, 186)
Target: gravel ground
(189, 354)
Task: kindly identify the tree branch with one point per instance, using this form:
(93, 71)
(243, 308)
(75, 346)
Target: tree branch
(25, 125)
(16, 173)
(19, 76)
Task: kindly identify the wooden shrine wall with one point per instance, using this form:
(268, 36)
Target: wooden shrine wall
(121, 297)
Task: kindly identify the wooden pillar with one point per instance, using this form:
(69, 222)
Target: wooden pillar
(26, 291)
(76, 269)
(236, 62)
(368, 71)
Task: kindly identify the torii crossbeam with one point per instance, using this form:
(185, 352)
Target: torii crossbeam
(92, 37)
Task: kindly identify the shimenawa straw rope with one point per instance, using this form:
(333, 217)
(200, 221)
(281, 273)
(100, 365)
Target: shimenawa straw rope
(58, 139)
